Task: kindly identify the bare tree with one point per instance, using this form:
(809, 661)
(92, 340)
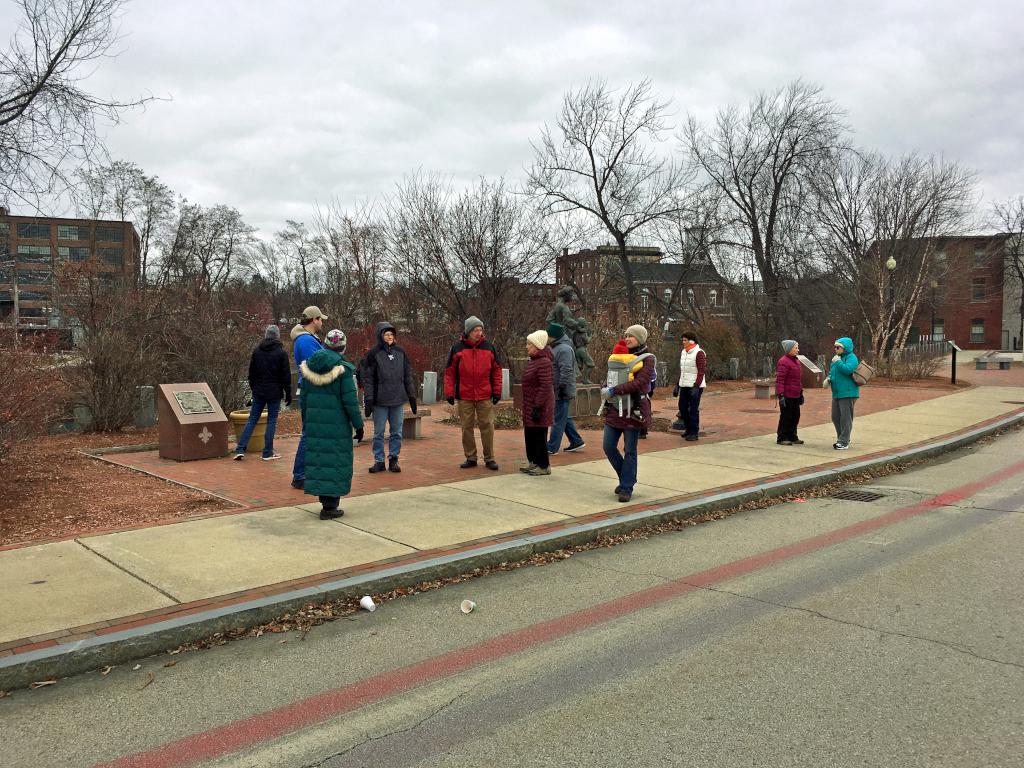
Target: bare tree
(1008, 218)
(205, 247)
(883, 223)
(600, 158)
(296, 246)
(48, 121)
(351, 245)
(762, 159)
(270, 276)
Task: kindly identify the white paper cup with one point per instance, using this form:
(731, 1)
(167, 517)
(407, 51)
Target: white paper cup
(366, 603)
(467, 606)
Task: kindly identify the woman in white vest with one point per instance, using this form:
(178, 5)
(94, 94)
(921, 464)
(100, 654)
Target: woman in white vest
(692, 364)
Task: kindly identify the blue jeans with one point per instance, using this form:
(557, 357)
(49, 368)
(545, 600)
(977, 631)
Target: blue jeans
(272, 406)
(689, 409)
(563, 424)
(383, 414)
(623, 464)
(299, 467)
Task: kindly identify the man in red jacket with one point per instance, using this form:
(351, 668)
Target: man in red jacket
(790, 392)
(473, 377)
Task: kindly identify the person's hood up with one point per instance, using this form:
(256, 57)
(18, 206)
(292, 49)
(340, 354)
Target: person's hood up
(297, 331)
(847, 343)
(268, 344)
(322, 361)
(382, 328)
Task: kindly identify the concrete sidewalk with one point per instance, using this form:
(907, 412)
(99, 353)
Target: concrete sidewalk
(64, 593)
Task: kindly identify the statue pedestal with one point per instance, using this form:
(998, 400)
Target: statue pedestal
(586, 402)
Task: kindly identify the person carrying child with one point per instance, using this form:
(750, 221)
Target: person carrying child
(627, 405)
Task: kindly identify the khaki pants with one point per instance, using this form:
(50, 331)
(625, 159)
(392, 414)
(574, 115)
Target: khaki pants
(477, 413)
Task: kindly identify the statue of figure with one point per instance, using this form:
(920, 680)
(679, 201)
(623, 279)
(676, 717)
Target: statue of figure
(580, 339)
(560, 313)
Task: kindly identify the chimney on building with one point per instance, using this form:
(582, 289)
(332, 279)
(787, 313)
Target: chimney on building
(4, 210)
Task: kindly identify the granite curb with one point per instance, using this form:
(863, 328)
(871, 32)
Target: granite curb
(26, 665)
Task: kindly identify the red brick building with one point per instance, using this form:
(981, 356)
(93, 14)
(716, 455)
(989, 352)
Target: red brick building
(33, 248)
(964, 300)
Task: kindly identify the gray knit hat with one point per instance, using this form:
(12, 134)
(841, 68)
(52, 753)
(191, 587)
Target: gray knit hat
(472, 322)
(272, 332)
(787, 345)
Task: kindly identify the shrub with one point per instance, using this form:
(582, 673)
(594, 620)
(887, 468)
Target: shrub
(34, 392)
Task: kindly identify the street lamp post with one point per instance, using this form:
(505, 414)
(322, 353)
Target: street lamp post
(935, 284)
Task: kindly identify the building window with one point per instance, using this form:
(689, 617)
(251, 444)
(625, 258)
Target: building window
(713, 298)
(689, 295)
(645, 301)
(32, 296)
(110, 234)
(978, 289)
(938, 329)
(940, 259)
(980, 257)
(5, 229)
(35, 277)
(34, 231)
(71, 232)
(34, 254)
(112, 256)
(72, 253)
(977, 331)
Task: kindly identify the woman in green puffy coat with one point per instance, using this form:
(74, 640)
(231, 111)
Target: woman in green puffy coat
(330, 415)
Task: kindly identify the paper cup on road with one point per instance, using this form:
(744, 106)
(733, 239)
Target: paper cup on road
(366, 603)
(467, 606)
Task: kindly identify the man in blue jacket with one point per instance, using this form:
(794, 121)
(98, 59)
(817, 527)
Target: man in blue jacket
(845, 391)
(304, 344)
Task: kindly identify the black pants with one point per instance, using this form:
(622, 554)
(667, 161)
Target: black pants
(330, 503)
(536, 439)
(789, 418)
(689, 409)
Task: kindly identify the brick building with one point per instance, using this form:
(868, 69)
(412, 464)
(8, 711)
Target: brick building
(964, 300)
(666, 289)
(32, 249)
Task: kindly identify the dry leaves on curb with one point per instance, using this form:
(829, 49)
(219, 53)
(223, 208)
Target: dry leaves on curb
(170, 663)
(146, 684)
(106, 671)
(42, 684)
(4, 694)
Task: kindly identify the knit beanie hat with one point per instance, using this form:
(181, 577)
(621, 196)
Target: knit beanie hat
(638, 332)
(272, 332)
(539, 339)
(556, 330)
(620, 348)
(335, 340)
(787, 345)
(472, 322)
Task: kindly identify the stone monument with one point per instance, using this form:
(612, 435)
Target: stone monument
(580, 340)
(191, 423)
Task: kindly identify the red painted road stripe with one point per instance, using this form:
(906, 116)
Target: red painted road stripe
(316, 709)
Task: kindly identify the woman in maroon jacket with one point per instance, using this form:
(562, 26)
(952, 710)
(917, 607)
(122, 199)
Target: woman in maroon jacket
(627, 427)
(538, 403)
(790, 392)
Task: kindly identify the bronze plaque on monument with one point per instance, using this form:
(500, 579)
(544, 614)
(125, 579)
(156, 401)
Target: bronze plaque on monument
(191, 423)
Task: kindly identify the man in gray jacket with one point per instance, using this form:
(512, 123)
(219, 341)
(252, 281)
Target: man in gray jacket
(565, 390)
(387, 385)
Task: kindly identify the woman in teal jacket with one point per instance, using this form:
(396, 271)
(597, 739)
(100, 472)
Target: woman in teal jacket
(845, 391)
(330, 414)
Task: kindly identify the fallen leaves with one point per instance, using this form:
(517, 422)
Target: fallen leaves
(42, 684)
(149, 682)
(106, 670)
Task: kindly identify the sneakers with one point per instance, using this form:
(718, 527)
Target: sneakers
(841, 447)
(468, 464)
(690, 438)
(526, 470)
(574, 448)
(553, 453)
(269, 458)
(299, 484)
(491, 464)
(378, 466)
(798, 442)
(393, 464)
(618, 490)
(539, 471)
(331, 514)
(624, 497)
(238, 456)
(783, 442)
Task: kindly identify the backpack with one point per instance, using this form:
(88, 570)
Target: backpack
(863, 373)
(619, 372)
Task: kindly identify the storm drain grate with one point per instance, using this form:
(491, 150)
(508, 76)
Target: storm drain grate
(850, 495)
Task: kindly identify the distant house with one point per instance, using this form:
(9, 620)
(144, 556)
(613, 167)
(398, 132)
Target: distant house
(667, 290)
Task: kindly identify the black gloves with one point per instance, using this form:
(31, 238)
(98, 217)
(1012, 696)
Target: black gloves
(367, 408)
(359, 434)
(675, 391)
(451, 400)
(495, 399)
(412, 404)
(536, 413)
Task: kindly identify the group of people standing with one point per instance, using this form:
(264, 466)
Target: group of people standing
(329, 386)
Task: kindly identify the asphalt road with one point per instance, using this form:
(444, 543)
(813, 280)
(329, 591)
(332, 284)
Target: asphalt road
(823, 633)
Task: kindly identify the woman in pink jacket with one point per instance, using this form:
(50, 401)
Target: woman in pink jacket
(790, 392)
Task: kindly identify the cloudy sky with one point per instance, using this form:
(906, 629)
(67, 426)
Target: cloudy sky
(275, 106)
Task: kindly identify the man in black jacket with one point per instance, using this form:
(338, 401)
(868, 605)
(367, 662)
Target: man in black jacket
(270, 379)
(387, 385)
